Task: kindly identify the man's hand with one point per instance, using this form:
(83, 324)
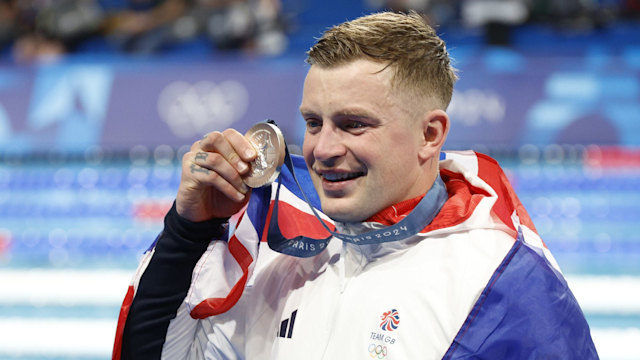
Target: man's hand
(211, 185)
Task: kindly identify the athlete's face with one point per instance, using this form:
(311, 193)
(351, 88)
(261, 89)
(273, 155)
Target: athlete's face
(362, 140)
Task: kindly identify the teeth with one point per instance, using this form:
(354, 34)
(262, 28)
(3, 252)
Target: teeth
(339, 176)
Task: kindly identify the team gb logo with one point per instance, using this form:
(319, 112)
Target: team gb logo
(390, 320)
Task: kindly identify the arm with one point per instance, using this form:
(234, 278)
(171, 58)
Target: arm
(210, 191)
(165, 283)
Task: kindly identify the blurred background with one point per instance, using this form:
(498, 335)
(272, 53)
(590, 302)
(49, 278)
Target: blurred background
(99, 99)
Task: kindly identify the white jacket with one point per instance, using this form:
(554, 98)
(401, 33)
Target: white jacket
(454, 290)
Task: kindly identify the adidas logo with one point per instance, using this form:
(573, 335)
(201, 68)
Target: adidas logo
(286, 326)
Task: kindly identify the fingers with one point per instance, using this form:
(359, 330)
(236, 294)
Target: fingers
(212, 169)
(232, 145)
(219, 160)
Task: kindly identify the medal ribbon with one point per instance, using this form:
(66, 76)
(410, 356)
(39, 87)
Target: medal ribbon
(302, 246)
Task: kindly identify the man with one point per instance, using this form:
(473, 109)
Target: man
(431, 258)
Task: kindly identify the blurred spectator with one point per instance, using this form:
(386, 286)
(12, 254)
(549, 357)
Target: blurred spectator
(497, 17)
(436, 12)
(254, 25)
(419, 6)
(145, 26)
(568, 13)
(227, 24)
(632, 8)
(46, 29)
(7, 22)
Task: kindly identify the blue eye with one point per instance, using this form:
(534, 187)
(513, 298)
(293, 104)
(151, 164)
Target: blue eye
(313, 124)
(354, 125)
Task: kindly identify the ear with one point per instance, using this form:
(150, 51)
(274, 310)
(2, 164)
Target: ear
(435, 127)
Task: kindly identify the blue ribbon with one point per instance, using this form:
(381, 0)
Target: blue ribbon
(302, 246)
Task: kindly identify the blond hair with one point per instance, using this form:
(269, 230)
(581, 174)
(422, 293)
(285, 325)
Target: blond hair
(405, 42)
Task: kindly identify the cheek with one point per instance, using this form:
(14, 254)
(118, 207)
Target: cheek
(394, 164)
(391, 171)
(307, 151)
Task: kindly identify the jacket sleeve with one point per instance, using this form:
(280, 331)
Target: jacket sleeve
(163, 285)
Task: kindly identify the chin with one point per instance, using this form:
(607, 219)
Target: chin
(341, 217)
(343, 214)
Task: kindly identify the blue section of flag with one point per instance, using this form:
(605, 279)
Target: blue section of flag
(525, 312)
(258, 206)
(304, 178)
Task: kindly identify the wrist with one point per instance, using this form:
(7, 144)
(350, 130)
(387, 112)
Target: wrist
(199, 231)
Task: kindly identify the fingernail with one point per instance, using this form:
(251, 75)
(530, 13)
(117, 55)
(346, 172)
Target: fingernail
(240, 196)
(242, 167)
(249, 153)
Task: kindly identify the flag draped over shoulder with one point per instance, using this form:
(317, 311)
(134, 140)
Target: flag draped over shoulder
(527, 310)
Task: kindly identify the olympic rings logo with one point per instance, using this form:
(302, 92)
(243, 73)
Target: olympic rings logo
(379, 351)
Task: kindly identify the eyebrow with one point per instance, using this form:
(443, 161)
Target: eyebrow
(304, 111)
(354, 112)
(359, 113)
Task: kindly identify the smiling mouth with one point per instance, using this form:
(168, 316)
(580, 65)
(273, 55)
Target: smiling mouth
(337, 177)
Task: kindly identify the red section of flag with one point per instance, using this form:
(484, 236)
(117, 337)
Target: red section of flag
(122, 319)
(215, 306)
(294, 222)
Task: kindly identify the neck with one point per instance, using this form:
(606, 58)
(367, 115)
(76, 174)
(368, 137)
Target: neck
(396, 212)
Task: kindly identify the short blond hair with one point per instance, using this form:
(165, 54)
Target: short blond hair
(405, 42)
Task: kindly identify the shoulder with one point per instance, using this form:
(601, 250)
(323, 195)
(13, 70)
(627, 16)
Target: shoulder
(525, 309)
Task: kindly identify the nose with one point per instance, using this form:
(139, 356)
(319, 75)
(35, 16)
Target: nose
(328, 144)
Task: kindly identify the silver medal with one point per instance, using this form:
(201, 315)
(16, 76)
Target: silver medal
(268, 142)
